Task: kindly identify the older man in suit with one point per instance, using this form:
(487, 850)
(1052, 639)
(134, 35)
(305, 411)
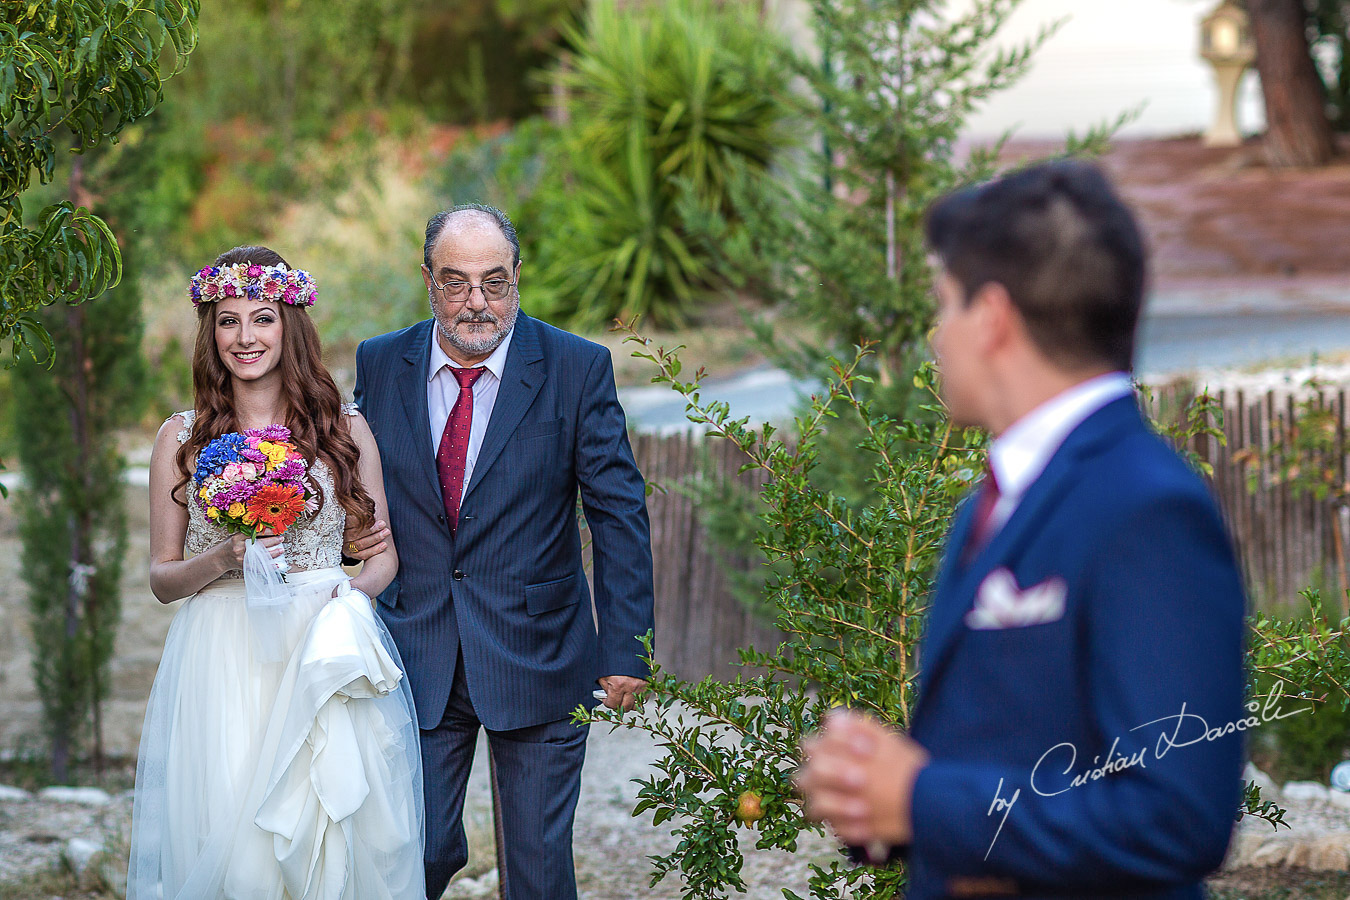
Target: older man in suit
(489, 423)
(1082, 671)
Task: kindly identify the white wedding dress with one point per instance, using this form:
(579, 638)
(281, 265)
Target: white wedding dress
(279, 780)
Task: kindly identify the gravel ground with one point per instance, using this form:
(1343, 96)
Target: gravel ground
(611, 846)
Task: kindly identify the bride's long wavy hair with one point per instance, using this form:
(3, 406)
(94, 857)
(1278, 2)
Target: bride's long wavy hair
(313, 405)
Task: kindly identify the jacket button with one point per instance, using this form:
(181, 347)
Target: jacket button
(441, 518)
(458, 576)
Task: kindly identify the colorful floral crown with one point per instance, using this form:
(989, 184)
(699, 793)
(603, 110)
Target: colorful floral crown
(279, 283)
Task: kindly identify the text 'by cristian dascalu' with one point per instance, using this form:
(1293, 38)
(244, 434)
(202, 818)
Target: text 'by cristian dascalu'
(1054, 773)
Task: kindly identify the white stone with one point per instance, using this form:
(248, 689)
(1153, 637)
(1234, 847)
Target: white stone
(88, 796)
(79, 853)
(12, 794)
(1329, 854)
(1269, 789)
(1272, 852)
(1339, 798)
(480, 888)
(1313, 791)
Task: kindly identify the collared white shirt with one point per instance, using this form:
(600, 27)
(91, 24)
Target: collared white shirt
(443, 391)
(1020, 454)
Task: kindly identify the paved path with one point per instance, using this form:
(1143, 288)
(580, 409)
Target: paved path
(1207, 325)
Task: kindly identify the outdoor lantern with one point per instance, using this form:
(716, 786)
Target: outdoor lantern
(1226, 42)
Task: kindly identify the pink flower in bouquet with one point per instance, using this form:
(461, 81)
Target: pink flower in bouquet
(231, 291)
(271, 289)
(292, 291)
(210, 290)
(254, 271)
(233, 472)
(249, 470)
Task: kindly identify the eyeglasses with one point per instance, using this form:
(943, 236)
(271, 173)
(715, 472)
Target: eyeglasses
(460, 291)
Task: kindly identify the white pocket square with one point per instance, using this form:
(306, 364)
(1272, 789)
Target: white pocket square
(1000, 603)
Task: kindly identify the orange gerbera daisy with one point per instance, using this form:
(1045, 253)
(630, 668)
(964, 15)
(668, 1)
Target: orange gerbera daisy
(277, 506)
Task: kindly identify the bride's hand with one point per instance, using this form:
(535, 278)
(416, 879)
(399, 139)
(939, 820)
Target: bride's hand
(232, 551)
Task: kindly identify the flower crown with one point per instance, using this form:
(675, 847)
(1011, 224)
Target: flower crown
(279, 283)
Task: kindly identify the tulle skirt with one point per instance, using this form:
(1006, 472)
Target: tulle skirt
(278, 780)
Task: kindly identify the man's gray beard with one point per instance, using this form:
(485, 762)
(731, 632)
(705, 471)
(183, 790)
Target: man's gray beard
(476, 346)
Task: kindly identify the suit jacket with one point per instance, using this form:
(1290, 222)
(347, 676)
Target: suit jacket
(508, 591)
(1153, 623)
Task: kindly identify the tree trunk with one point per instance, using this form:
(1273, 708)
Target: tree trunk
(1298, 132)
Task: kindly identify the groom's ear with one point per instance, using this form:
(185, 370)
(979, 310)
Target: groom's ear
(516, 277)
(426, 277)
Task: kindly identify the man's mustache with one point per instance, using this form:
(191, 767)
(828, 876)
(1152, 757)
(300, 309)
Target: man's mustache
(478, 319)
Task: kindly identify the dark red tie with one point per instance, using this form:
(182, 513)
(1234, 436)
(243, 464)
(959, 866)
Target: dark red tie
(981, 530)
(454, 449)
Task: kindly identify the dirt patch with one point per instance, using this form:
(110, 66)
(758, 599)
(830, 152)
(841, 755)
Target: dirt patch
(1220, 214)
(1278, 884)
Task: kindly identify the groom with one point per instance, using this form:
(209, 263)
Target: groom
(1086, 632)
(489, 423)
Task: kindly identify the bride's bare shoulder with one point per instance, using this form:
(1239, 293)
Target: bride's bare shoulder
(173, 432)
(178, 426)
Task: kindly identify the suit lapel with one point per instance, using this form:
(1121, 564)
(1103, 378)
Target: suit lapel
(522, 378)
(413, 388)
(958, 582)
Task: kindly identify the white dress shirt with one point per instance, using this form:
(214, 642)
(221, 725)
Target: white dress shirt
(1020, 454)
(443, 391)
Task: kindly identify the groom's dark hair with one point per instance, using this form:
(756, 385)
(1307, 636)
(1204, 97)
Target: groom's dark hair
(1066, 248)
(436, 224)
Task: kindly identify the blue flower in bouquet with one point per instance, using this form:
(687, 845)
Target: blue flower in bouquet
(218, 454)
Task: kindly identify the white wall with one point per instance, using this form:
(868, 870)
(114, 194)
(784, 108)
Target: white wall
(1108, 57)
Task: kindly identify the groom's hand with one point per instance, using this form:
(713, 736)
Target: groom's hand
(858, 776)
(621, 691)
(363, 545)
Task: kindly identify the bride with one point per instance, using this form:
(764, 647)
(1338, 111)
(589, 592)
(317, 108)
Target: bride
(280, 757)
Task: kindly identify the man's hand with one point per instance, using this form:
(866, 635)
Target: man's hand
(621, 691)
(858, 777)
(363, 545)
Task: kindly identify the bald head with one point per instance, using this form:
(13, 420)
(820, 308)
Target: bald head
(469, 220)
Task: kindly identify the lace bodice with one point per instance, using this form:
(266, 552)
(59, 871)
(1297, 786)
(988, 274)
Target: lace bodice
(313, 542)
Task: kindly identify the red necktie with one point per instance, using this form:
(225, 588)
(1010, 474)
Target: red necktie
(982, 528)
(454, 449)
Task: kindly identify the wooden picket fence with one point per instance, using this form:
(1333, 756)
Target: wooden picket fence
(700, 621)
(1285, 542)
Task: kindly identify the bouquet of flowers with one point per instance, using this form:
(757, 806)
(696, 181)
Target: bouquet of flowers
(254, 482)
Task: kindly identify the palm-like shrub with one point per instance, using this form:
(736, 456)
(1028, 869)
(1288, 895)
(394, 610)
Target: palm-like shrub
(701, 82)
(663, 104)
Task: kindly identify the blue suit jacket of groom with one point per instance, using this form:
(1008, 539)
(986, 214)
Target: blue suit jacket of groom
(508, 590)
(1053, 718)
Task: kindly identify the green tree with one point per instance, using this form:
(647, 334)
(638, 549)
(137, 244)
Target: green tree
(72, 516)
(841, 244)
(72, 72)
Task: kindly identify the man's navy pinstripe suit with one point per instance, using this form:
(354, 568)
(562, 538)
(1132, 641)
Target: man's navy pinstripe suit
(494, 623)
